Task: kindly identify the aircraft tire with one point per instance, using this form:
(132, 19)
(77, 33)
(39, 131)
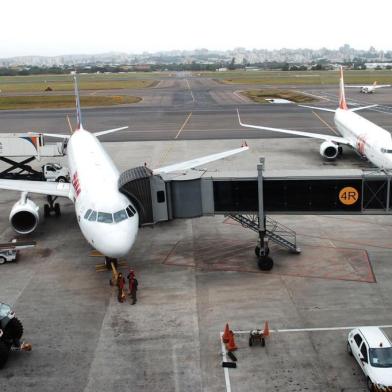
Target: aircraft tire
(13, 330)
(4, 352)
(57, 209)
(265, 263)
(46, 211)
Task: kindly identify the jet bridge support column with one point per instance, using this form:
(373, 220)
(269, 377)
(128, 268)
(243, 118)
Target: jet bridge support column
(262, 249)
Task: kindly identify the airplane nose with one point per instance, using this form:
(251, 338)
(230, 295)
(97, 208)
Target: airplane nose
(118, 242)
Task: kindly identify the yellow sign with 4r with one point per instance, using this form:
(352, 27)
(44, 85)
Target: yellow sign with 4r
(348, 195)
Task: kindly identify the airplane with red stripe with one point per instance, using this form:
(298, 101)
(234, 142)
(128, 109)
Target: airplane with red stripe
(366, 138)
(107, 219)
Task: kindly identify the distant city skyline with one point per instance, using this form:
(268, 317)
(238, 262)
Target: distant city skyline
(47, 28)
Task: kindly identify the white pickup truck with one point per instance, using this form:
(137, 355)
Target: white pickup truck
(55, 172)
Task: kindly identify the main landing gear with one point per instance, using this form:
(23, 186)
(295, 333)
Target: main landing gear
(52, 207)
(265, 263)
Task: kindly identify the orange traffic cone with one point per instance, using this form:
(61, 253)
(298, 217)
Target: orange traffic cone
(226, 334)
(266, 330)
(231, 343)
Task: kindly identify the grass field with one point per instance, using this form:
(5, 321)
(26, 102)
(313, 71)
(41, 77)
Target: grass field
(62, 101)
(10, 84)
(300, 78)
(260, 96)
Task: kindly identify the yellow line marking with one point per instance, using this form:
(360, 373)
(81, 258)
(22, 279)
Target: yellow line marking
(325, 123)
(183, 125)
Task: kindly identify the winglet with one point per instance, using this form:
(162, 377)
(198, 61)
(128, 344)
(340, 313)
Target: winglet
(342, 96)
(78, 110)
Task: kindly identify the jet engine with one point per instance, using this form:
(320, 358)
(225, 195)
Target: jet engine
(24, 215)
(329, 150)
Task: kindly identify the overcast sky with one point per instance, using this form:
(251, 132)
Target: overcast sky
(49, 27)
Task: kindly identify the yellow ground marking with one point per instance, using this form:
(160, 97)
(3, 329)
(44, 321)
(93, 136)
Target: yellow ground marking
(183, 125)
(325, 123)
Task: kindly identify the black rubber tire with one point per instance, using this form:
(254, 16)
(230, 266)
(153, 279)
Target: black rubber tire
(46, 210)
(13, 330)
(369, 385)
(250, 342)
(350, 352)
(262, 342)
(4, 352)
(57, 210)
(257, 251)
(61, 179)
(2, 260)
(265, 263)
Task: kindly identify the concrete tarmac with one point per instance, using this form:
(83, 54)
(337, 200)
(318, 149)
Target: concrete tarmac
(194, 276)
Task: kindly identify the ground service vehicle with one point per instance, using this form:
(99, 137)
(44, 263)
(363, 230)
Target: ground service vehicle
(11, 331)
(55, 172)
(373, 351)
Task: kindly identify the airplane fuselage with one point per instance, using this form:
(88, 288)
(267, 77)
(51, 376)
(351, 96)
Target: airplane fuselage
(107, 219)
(367, 138)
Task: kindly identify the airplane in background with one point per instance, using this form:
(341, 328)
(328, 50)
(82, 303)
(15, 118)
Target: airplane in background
(369, 89)
(107, 219)
(365, 137)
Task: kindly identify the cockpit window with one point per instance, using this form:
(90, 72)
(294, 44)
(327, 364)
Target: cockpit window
(120, 216)
(105, 217)
(93, 216)
(386, 151)
(129, 212)
(132, 209)
(86, 215)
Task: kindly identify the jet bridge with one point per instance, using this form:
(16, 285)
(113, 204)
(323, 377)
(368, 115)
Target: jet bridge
(251, 200)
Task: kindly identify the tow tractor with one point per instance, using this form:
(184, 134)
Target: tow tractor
(9, 250)
(11, 331)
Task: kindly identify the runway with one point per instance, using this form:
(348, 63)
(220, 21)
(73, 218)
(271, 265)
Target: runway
(210, 106)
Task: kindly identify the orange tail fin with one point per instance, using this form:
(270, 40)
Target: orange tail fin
(342, 96)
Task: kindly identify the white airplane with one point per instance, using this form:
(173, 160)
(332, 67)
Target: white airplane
(365, 137)
(367, 89)
(107, 219)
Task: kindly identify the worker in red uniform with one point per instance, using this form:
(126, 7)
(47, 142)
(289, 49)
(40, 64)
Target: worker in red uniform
(133, 283)
(120, 285)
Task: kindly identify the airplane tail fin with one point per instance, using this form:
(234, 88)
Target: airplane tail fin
(375, 83)
(342, 95)
(78, 109)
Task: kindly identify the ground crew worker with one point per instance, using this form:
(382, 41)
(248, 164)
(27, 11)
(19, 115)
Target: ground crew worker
(133, 283)
(120, 285)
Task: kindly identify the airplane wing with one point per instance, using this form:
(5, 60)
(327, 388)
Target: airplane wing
(109, 131)
(353, 86)
(62, 189)
(382, 85)
(330, 138)
(62, 136)
(198, 161)
(58, 135)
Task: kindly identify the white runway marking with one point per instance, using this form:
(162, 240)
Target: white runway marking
(226, 370)
(321, 329)
(190, 90)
